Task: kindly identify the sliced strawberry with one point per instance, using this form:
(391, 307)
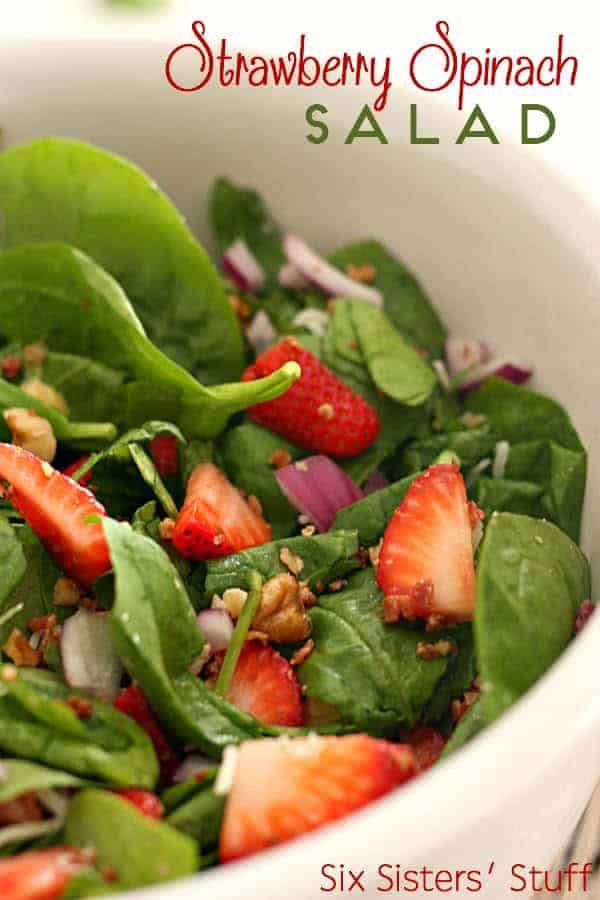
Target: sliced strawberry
(39, 874)
(216, 519)
(284, 787)
(319, 411)
(72, 468)
(144, 801)
(58, 510)
(265, 685)
(163, 449)
(427, 744)
(425, 566)
(132, 703)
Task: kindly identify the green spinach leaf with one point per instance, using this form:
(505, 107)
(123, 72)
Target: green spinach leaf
(369, 516)
(28, 578)
(22, 777)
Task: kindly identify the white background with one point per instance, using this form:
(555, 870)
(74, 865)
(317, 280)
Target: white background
(384, 27)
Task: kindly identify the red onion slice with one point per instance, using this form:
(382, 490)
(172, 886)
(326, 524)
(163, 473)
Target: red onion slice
(463, 353)
(291, 277)
(243, 267)
(260, 332)
(89, 659)
(318, 488)
(192, 766)
(375, 482)
(325, 276)
(217, 628)
(507, 368)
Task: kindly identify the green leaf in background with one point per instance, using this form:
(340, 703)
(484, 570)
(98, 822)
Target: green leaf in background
(506, 495)
(36, 724)
(405, 302)
(200, 815)
(325, 557)
(92, 390)
(28, 576)
(59, 189)
(369, 516)
(471, 445)
(474, 720)
(367, 670)
(245, 453)
(458, 677)
(531, 578)
(22, 777)
(141, 850)
(394, 366)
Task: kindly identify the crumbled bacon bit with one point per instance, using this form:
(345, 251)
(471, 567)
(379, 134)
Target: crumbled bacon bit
(18, 648)
(165, 529)
(291, 561)
(441, 648)
(307, 598)
(417, 604)
(308, 531)
(337, 585)
(255, 504)
(35, 354)
(10, 367)
(82, 708)
(66, 592)
(279, 459)
(583, 615)
(459, 707)
(240, 307)
(363, 272)
(302, 653)
(326, 411)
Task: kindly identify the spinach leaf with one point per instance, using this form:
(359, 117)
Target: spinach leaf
(37, 724)
(92, 390)
(405, 301)
(149, 473)
(43, 285)
(200, 816)
(141, 435)
(517, 414)
(58, 189)
(507, 495)
(470, 445)
(474, 720)
(141, 850)
(88, 882)
(245, 452)
(325, 556)
(457, 678)
(76, 434)
(367, 670)
(394, 366)
(28, 578)
(23, 777)
(369, 516)
(237, 212)
(531, 578)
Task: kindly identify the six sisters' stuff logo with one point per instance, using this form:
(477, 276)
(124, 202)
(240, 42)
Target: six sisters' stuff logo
(433, 67)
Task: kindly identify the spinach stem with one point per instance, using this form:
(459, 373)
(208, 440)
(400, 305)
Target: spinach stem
(239, 633)
(449, 457)
(150, 474)
(10, 613)
(85, 431)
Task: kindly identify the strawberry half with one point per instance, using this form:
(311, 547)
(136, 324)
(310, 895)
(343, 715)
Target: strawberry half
(58, 510)
(144, 801)
(425, 566)
(284, 787)
(265, 685)
(131, 702)
(319, 412)
(215, 519)
(163, 449)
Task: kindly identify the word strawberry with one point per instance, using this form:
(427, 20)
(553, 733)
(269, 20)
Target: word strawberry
(319, 411)
(283, 787)
(216, 519)
(425, 566)
(265, 685)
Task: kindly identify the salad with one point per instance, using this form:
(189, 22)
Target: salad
(272, 543)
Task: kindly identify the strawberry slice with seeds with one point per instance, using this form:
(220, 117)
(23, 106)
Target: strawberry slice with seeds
(265, 685)
(215, 519)
(40, 874)
(319, 412)
(163, 449)
(63, 514)
(144, 801)
(284, 787)
(131, 702)
(425, 566)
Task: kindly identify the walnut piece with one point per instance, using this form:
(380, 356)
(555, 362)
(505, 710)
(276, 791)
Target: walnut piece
(35, 354)
(364, 272)
(18, 648)
(39, 390)
(233, 601)
(66, 592)
(302, 653)
(281, 613)
(291, 561)
(166, 528)
(31, 432)
(280, 458)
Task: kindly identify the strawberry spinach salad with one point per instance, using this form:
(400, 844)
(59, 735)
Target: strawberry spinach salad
(272, 542)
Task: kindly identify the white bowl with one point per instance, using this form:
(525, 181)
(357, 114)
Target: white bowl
(507, 251)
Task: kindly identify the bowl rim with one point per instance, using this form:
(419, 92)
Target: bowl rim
(523, 731)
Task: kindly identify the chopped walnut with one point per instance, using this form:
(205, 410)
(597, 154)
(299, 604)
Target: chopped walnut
(165, 529)
(254, 635)
(39, 390)
(233, 601)
(18, 648)
(31, 432)
(374, 553)
(35, 354)
(308, 531)
(459, 707)
(279, 459)
(240, 307)
(291, 561)
(281, 613)
(82, 708)
(437, 650)
(66, 592)
(337, 585)
(326, 411)
(307, 598)
(255, 504)
(42, 623)
(364, 272)
(302, 653)
(10, 367)
(46, 628)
